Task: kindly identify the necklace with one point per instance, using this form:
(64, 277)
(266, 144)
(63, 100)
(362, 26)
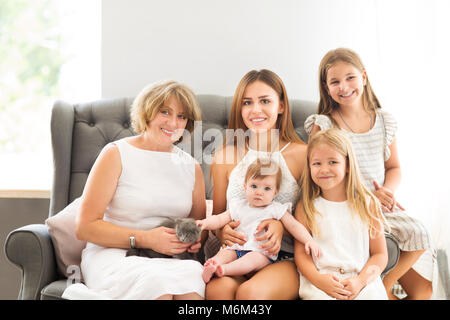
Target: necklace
(342, 118)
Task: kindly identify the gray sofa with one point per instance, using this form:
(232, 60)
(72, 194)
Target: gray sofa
(79, 132)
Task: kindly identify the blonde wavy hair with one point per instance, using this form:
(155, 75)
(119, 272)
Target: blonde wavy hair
(326, 103)
(150, 100)
(360, 199)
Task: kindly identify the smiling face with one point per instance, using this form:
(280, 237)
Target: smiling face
(261, 191)
(328, 170)
(168, 124)
(345, 83)
(260, 107)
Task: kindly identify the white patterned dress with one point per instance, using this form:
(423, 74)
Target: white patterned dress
(371, 151)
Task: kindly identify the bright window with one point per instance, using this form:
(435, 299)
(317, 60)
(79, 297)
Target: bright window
(49, 50)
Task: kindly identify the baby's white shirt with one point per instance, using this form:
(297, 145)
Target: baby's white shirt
(250, 218)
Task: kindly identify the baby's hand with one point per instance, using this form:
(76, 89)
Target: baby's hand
(312, 246)
(201, 223)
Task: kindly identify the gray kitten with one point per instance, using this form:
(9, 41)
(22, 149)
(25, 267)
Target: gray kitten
(186, 230)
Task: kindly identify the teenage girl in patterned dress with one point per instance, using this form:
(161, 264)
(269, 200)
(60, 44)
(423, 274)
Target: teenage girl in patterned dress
(347, 101)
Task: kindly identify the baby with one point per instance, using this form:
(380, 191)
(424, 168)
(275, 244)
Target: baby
(261, 185)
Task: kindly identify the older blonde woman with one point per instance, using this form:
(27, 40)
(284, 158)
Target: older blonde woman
(135, 184)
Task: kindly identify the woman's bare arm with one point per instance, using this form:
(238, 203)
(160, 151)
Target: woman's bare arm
(98, 192)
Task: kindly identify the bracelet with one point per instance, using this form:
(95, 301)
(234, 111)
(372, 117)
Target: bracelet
(132, 242)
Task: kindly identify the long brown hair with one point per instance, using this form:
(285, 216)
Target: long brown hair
(360, 200)
(326, 103)
(284, 122)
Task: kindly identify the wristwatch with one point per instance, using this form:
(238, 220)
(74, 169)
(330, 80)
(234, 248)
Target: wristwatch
(132, 242)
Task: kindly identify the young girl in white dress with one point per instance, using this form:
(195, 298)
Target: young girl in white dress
(345, 220)
(261, 184)
(348, 102)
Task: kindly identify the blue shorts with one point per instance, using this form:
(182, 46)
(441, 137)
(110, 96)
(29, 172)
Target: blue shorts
(241, 253)
(282, 255)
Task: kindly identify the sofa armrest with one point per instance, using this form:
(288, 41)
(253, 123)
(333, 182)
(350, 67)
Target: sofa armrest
(31, 249)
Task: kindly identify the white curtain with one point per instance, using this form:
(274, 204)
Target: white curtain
(413, 52)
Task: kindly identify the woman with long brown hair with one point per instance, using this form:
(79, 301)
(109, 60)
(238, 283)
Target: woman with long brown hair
(261, 121)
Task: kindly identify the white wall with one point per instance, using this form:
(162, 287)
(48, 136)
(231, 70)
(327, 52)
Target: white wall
(211, 44)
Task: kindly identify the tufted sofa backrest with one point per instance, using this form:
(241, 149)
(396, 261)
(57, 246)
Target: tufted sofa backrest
(80, 131)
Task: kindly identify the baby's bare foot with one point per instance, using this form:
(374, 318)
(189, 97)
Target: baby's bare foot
(208, 262)
(209, 268)
(220, 272)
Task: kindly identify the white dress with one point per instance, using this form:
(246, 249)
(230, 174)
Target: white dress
(251, 217)
(344, 241)
(152, 187)
(371, 151)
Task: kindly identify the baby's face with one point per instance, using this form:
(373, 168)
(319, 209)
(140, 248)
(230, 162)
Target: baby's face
(261, 191)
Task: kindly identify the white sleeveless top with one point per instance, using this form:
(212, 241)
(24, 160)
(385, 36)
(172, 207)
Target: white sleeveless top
(343, 239)
(289, 188)
(250, 217)
(152, 187)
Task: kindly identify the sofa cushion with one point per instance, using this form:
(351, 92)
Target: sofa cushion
(62, 231)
